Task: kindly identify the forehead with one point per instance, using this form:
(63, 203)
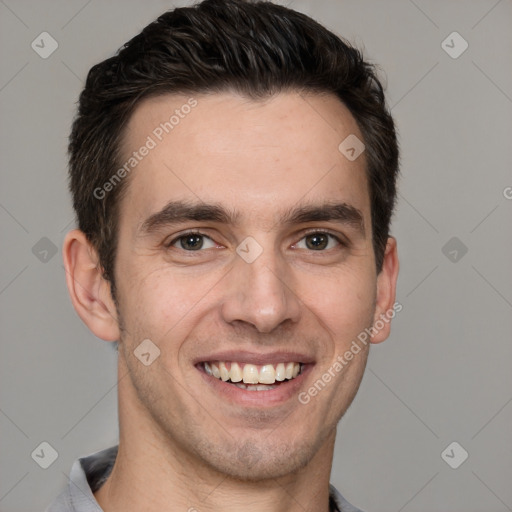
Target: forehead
(254, 157)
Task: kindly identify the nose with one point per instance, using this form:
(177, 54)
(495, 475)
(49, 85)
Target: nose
(261, 294)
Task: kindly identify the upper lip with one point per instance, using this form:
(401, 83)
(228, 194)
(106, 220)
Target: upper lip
(257, 358)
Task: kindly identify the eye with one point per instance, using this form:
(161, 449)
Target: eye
(318, 241)
(192, 242)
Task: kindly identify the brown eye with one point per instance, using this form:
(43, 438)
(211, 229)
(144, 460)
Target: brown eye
(192, 242)
(317, 241)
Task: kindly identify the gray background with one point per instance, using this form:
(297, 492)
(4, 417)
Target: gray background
(443, 376)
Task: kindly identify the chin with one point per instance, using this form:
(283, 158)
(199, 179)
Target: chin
(250, 461)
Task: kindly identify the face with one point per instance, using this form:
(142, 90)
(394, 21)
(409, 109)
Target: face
(245, 255)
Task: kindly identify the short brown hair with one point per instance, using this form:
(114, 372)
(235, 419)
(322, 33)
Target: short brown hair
(255, 48)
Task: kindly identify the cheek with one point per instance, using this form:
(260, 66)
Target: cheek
(160, 303)
(344, 302)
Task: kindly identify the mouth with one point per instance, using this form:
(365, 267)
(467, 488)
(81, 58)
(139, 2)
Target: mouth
(255, 380)
(252, 377)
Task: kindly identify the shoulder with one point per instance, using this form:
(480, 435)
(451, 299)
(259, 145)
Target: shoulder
(341, 502)
(87, 475)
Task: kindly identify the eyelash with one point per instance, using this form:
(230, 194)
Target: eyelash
(338, 239)
(168, 245)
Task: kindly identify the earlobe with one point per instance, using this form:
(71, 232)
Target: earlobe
(89, 291)
(385, 308)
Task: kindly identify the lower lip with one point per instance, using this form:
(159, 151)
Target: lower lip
(268, 398)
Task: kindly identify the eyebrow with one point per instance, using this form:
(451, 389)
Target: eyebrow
(342, 212)
(176, 212)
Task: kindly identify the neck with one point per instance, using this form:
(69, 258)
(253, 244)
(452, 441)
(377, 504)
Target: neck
(152, 472)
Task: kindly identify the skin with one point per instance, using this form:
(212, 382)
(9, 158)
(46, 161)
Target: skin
(184, 445)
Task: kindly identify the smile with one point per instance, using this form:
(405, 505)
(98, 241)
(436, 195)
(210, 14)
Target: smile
(253, 377)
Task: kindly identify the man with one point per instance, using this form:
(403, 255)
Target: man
(233, 171)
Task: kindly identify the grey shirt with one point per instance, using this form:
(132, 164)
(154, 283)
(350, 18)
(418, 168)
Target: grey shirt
(89, 473)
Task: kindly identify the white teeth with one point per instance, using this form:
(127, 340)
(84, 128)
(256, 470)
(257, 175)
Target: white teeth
(215, 371)
(224, 372)
(280, 372)
(252, 374)
(254, 387)
(267, 374)
(235, 374)
(261, 387)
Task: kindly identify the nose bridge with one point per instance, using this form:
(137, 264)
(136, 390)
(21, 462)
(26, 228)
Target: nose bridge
(266, 283)
(260, 294)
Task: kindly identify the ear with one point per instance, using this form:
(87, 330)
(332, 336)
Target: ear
(385, 307)
(90, 293)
